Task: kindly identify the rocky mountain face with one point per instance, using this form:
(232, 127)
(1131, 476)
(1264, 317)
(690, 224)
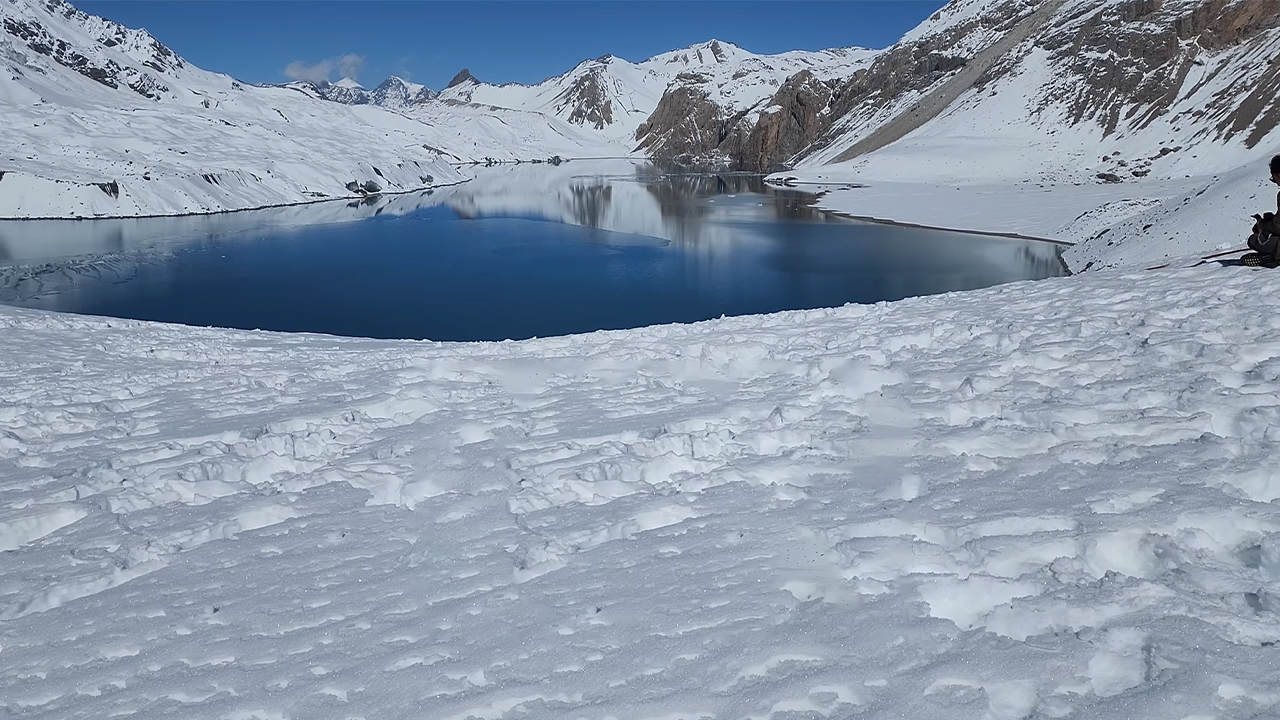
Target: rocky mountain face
(395, 92)
(1118, 66)
(707, 114)
(92, 62)
(1133, 62)
(586, 101)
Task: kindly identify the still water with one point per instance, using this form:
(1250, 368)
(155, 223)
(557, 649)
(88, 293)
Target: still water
(523, 251)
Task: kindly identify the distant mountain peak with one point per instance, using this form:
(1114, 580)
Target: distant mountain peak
(349, 84)
(396, 92)
(463, 76)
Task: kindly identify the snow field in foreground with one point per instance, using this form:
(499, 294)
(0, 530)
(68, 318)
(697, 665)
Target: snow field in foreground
(1050, 499)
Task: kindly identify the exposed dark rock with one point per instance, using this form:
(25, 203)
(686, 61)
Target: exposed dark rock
(112, 188)
(462, 76)
(1130, 62)
(395, 92)
(367, 187)
(589, 103)
(685, 126)
(1107, 177)
(780, 134)
(107, 72)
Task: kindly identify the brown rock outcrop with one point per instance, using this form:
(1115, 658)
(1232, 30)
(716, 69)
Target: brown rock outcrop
(794, 116)
(587, 102)
(685, 127)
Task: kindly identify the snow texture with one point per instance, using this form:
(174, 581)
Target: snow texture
(1049, 499)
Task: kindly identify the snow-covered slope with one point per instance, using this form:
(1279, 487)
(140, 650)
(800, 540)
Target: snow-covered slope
(1172, 102)
(1043, 500)
(101, 120)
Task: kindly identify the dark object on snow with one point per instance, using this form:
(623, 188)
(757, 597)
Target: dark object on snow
(112, 188)
(1265, 238)
(368, 187)
(1259, 260)
(1107, 177)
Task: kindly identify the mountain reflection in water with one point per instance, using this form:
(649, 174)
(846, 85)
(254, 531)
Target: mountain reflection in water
(518, 251)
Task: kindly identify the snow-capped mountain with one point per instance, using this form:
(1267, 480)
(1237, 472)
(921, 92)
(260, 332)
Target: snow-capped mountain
(619, 98)
(102, 120)
(394, 92)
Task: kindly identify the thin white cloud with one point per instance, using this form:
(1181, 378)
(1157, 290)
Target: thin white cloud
(318, 72)
(348, 66)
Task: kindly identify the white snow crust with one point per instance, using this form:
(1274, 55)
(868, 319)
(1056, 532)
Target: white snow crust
(1049, 499)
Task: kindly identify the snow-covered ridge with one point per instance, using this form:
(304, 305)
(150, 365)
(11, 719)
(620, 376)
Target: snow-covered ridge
(394, 92)
(615, 96)
(1050, 499)
(105, 121)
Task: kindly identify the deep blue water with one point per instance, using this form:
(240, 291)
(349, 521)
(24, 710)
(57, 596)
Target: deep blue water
(519, 252)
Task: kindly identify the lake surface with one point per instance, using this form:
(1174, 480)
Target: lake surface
(524, 251)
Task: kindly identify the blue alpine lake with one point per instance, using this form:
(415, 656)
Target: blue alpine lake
(518, 252)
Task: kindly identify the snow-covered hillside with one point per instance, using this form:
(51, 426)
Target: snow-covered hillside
(1043, 500)
(1165, 106)
(101, 120)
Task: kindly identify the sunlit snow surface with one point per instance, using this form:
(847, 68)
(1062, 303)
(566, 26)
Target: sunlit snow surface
(1045, 499)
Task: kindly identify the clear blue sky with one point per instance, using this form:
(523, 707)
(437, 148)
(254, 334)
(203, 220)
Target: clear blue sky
(499, 41)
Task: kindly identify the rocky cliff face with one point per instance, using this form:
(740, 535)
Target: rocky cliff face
(686, 127)
(794, 116)
(1130, 62)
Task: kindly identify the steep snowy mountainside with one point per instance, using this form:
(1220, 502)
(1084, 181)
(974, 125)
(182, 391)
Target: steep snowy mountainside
(1131, 93)
(466, 132)
(102, 120)
(1127, 76)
